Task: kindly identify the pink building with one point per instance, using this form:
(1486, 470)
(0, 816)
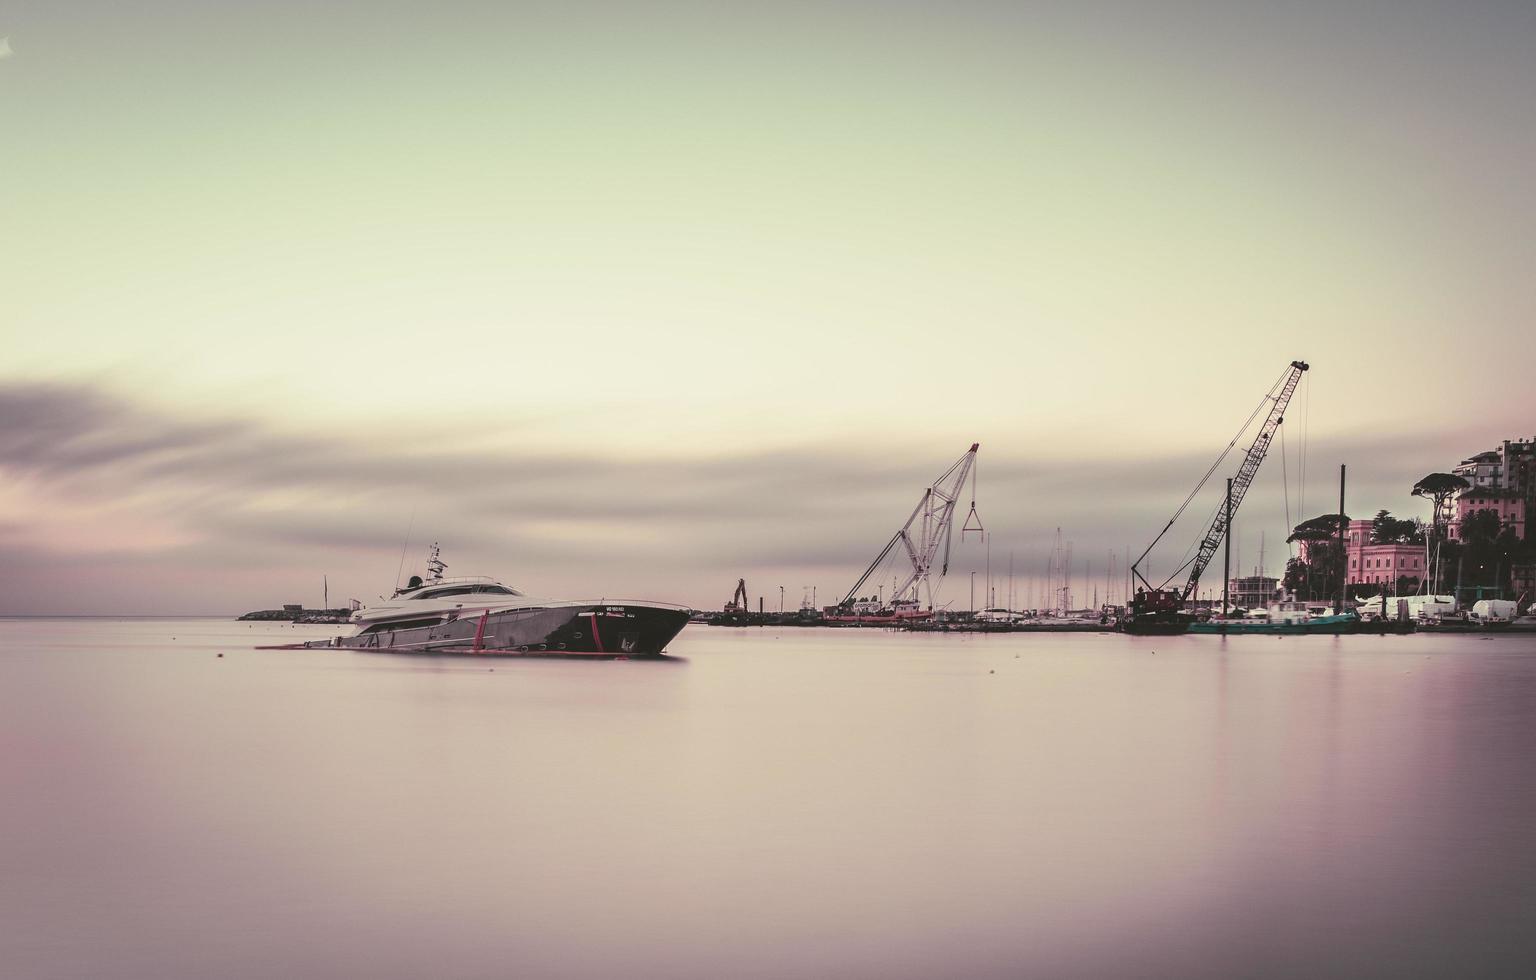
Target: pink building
(1380, 564)
(1509, 469)
(1508, 504)
(1377, 564)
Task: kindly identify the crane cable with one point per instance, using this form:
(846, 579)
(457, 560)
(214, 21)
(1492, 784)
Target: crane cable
(1268, 397)
(1285, 480)
(1306, 420)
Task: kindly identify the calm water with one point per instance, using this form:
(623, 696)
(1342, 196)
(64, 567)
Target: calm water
(772, 804)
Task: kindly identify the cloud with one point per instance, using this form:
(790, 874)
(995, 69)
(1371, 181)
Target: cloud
(87, 473)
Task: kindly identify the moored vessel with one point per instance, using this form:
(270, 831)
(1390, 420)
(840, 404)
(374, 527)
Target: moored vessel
(480, 615)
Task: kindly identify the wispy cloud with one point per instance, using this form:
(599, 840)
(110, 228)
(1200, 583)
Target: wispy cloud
(92, 479)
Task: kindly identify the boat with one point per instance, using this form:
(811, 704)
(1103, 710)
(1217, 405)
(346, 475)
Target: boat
(476, 614)
(997, 620)
(1462, 623)
(868, 612)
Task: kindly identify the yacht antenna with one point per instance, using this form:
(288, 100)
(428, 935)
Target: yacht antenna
(408, 526)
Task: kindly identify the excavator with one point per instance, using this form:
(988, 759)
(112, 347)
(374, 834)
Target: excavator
(738, 603)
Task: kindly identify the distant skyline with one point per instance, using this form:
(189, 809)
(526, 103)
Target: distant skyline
(643, 298)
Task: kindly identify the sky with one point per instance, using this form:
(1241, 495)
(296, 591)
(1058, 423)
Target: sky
(638, 299)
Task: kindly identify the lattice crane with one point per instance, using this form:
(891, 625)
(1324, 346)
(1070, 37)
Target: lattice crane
(1161, 599)
(924, 534)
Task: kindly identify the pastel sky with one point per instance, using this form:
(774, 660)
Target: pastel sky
(632, 298)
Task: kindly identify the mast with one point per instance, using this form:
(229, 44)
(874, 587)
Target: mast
(1226, 572)
(1343, 548)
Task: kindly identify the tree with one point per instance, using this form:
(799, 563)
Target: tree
(1481, 528)
(1324, 528)
(1320, 573)
(1439, 487)
(1489, 548)
(1295, 581)
(1386, 529)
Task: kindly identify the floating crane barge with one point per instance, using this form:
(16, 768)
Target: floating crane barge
(1158, 609)
(926, 531)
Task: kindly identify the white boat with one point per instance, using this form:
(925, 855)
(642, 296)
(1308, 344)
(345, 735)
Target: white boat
(998, 615)
(478, 614)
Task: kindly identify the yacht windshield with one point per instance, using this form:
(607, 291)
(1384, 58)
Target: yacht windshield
(472, 589)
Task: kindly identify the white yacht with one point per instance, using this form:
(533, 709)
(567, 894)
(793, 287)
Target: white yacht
(478, 614)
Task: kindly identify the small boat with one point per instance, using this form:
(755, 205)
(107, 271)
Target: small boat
(871, 613)
(480, 615)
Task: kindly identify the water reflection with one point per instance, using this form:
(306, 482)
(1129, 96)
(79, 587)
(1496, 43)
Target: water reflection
(810, 803)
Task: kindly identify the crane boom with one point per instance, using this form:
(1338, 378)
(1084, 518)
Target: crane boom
(1160, 609)
(921, 543)
(1245, 474)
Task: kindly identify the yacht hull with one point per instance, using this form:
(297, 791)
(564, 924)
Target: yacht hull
(568, 630)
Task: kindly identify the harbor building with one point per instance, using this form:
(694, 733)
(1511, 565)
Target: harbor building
(1253, 591)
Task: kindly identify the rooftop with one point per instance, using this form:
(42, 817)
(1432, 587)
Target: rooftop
(1491, 493)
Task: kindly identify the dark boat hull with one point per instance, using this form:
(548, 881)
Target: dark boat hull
(1156, 625)
(599, 630)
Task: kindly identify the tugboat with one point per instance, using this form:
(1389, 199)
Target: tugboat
(479, 615)
(1157, 610)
